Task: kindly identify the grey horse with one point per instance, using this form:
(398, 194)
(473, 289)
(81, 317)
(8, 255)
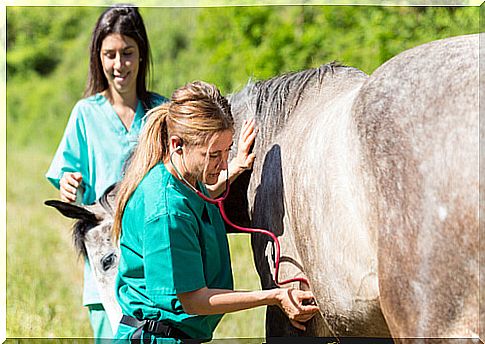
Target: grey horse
(371, 185)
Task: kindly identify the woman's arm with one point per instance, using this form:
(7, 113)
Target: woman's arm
(206, 301)
(70, 163)
(242, 162)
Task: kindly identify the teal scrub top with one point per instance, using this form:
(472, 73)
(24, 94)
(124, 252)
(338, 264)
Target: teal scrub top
(171, 242)
(96, 144)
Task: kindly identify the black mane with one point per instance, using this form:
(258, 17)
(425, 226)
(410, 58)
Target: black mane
(79, 230)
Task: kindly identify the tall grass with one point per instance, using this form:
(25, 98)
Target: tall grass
(44, 275)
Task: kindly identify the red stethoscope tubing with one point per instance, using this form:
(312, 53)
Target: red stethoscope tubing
(219, 202)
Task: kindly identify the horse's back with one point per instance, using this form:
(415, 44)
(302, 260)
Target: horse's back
(417, 118)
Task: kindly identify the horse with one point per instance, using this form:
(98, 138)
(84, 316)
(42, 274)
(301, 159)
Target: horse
(92, 238)
(370, 184)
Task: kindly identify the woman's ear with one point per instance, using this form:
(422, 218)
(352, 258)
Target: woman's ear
(176, 144)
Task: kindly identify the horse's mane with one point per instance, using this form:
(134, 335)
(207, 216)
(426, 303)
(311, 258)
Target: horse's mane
(79, 230)
(273, 100)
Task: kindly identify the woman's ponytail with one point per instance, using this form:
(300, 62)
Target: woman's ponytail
(151, 149)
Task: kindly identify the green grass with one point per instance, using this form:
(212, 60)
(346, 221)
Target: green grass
(44, 275)
(248, 323)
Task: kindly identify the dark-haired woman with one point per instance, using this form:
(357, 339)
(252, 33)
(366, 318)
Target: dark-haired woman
(104, 126)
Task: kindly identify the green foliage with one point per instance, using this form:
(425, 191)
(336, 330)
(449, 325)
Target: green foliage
(47, 62)
(37, 42)
(47, 59)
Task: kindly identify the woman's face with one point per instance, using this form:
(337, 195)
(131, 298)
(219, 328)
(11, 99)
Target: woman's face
(219, 147)
(120, 58)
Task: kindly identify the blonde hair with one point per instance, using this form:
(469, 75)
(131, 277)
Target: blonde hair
(195, 113)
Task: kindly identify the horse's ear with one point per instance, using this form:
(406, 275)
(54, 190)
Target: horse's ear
(108, 199)
(72, 211)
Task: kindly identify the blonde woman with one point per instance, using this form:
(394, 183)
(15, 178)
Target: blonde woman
(175, 279)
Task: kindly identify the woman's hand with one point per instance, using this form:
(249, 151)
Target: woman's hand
(244, 160)
(291, 301)
(69, 184)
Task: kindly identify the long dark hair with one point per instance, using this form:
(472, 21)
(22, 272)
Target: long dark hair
(127, 21)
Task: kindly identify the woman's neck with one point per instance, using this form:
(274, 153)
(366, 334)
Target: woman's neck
(177, 165)
(117, 99)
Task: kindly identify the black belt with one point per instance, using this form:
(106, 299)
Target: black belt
(153, 327)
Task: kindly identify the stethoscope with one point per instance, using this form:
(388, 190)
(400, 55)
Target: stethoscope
(219, 202)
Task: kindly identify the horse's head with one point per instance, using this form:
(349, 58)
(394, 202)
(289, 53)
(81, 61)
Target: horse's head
(92, 231)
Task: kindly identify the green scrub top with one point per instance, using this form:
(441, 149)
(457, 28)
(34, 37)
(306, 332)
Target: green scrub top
(96, 144)
(171, 242)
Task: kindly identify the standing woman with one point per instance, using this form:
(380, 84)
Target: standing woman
(104, 126)
(175, 277)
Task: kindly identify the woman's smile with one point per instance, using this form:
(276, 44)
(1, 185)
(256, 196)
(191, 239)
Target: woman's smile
(120, 59)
